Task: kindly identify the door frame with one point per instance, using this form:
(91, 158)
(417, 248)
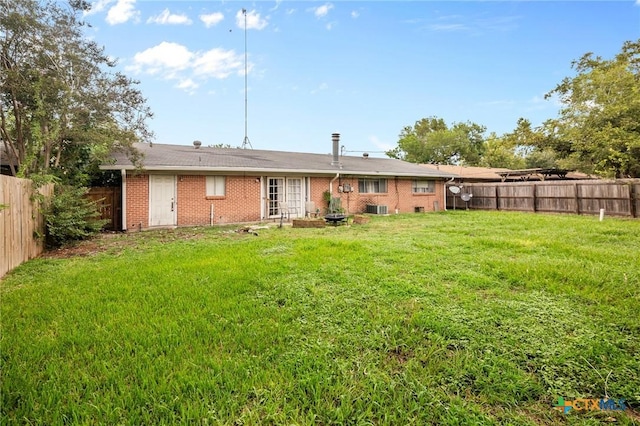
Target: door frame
(174, 200)
(285, 195)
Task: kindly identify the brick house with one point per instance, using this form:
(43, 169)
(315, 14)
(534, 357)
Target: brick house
(191, 185)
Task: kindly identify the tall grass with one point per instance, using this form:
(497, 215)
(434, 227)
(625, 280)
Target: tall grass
(452, 318)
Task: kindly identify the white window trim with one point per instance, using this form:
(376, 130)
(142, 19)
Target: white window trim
(368, 183)
(216, 186)
(423, 186)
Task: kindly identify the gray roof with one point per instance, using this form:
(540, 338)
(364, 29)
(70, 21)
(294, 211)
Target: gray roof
(184, 158)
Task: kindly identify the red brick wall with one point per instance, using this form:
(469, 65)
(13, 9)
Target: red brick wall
(241, 202)
(137, 202)
(399, 196)
(317, 187)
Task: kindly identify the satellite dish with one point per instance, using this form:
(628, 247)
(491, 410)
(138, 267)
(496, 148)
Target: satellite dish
(466, 197)
(454, 189)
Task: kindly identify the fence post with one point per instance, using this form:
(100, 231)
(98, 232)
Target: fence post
(632, 199)
(576, 197)
(497, 197)
(535, 201)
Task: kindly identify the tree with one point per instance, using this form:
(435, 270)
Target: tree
(538, 158)
(501, 152)
(430, 140)
(70, 216)
(598, 128)
(528, 147)
(62, 108)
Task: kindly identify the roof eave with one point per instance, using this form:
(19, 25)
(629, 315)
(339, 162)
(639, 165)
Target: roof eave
(236, 170)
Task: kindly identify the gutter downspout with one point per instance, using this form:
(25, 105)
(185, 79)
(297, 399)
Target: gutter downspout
(331, 183)
(123, 175)
(445, 192)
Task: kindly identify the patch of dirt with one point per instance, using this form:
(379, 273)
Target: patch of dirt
(633, 414)
(115, 242)
(84, 248)
(400, 354)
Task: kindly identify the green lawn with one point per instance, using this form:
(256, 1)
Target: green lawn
(449, 318)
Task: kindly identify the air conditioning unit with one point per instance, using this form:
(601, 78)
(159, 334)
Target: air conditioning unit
(375, 209)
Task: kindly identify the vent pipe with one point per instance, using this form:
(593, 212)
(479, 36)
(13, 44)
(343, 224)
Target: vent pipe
(197, 144)
(335, 138)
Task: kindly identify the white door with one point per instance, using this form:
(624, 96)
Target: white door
(275, 194)
(294, 197)
(289, 190)
(162, 200)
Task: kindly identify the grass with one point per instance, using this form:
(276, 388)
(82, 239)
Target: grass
(451, 318)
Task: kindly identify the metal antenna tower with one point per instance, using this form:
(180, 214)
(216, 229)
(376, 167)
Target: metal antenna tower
(246, 142)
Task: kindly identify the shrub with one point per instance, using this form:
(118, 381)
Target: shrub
(71, 217)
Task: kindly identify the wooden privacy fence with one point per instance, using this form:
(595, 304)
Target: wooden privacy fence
(21, 222)
(617, 198)
(109, 203)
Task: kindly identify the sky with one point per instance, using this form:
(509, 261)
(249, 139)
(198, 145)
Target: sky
(364, 69)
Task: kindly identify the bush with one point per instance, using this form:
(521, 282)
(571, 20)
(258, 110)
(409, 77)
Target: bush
(71, 217)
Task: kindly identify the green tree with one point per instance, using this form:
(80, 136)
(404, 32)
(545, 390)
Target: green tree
(523, 136)
(62, 108)
(598, 128)
(70, 216)
(500, 152)
(430, 140)
(538, 158)
(529, 147)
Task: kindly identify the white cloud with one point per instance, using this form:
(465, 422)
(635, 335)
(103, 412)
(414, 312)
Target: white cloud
(212, 19)
(292, 11)
(448, 27)
(173, 61)
(218, 63)
(188, 84)
(97, 6)
(499, 23)
(323, 86)
(277, 5)
(167, 17)
(166, 59)
(123, 11)
(471, 24)
(322, 11)
(330, 25)
(254, 21)
(355, 14)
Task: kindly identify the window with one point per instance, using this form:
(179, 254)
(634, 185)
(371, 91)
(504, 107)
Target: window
(424, 186)
(215, 186)
(369, 186)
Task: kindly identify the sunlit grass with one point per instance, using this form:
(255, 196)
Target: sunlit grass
(452, 318)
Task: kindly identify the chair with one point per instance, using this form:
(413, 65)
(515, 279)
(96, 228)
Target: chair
(310, 209)
(285, 209)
